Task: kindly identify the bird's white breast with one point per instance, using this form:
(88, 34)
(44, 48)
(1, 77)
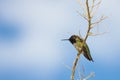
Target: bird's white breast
(77, 47)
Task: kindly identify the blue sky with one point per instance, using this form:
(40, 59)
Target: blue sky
(31, 46)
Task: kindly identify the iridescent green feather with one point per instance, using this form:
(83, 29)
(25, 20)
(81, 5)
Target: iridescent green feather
(87, 52)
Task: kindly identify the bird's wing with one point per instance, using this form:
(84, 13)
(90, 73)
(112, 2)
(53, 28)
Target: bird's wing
(87, 52)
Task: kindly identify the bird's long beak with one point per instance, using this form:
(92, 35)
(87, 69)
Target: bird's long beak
(65, 40)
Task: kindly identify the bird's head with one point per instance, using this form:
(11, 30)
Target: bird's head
(74, 38)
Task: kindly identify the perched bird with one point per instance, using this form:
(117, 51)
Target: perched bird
(77, 42)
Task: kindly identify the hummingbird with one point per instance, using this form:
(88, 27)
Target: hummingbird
(77, 43)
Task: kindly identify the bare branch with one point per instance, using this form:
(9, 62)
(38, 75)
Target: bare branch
(89, 27)
(82, 15)
(81, 74)
(89, 21)
(97, 34)
(79, 34)
(89, 13)
(75, 64)
(98, 21)
(94, 8)
(81, 5)
(93, 3)
(99, 2)
(68, 67)
(89, 76)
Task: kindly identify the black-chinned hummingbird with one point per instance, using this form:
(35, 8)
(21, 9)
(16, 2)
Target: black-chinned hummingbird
(78, 43)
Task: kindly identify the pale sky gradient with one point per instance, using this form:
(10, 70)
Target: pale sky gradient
(41, 25)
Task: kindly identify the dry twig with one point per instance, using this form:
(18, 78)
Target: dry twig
(90, 12)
